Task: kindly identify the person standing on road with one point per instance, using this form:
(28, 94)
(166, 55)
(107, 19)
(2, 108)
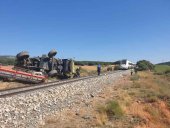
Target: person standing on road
(136, 70)
(78, 72)
(98, 69)
(131, 72)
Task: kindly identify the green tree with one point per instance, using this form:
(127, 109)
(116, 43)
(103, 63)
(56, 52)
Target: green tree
(144, 65)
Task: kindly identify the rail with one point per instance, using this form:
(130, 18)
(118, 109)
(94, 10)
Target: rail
(10, 92)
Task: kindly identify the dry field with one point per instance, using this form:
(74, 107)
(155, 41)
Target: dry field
(140, 101)
(91, 70)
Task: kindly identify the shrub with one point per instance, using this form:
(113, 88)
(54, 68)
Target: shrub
(151, 99)
(109, 69)
(116, 67)
(167, 72)
(144, 65)
(150, 96)
(152, 111)
(136, 85)
(134, 78)
(113, 109)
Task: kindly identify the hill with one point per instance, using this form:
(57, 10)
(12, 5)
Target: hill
(164, 63)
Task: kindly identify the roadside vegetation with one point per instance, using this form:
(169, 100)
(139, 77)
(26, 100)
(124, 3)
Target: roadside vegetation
(162, 69)
(154, 92)
(143, 102)
(7, 60)
(110, 111)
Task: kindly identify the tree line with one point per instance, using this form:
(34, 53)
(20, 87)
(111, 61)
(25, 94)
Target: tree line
(7, 60)
(10, 60)
(91, 63)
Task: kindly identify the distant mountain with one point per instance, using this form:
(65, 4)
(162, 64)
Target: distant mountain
(164, 63)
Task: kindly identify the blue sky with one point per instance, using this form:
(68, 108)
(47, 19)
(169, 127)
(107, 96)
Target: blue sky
(105, 30)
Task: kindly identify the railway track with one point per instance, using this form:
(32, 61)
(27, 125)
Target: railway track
(11, 92)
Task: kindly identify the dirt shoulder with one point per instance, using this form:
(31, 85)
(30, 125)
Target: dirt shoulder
(135, 102)
(10, 85)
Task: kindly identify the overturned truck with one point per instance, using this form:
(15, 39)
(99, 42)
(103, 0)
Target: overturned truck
(38, 69)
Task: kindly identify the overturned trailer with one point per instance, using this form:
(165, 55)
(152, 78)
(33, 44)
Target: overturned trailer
(12, 74)
(32, 69)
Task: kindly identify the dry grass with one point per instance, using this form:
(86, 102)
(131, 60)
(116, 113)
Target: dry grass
(89, 68)
(111, 110)
(7, 67)
(150, 91)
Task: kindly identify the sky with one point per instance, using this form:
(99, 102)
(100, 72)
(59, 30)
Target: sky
(101, 30)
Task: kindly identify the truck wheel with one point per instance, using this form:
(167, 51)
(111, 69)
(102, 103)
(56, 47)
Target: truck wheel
(52, 53)
(23, 55)
(52, 73)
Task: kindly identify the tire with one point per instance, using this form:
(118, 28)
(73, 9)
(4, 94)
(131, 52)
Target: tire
(23, 55)
(52, 73)
(52, 53)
